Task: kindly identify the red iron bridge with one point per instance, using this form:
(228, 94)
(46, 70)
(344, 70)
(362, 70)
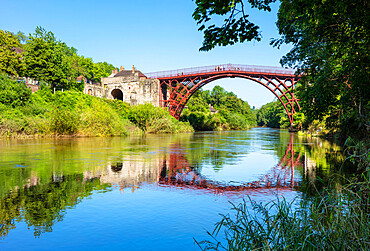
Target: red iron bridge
(178, 86)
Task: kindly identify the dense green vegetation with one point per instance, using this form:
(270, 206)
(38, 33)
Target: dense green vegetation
(330, 51)
(274, 115)
(334, 220)
(54, 64)
(231, 112)
(42, 57)
(75, 113)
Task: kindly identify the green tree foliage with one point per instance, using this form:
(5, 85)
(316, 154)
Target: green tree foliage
(90, 70)
(232, 112)
(198, 103)
(10, 60)
(22, 38)
(46, 58)
(272, 115)
(13, 93)
(236, 26)
(330, 50)
(102, 69)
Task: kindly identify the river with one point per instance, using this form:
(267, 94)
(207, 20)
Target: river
(154, 192)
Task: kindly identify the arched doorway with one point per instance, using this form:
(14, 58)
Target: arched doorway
(117, 94)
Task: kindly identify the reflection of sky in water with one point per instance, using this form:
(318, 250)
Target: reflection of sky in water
(137, 213)
(151, 218)
(248, 168)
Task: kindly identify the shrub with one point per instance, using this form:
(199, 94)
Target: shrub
(63, 121)
(13, 93)
(201, 121)
(101, 120)
(153, 119)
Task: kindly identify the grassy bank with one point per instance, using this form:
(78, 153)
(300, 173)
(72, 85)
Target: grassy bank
(76, 114)
(336, 219)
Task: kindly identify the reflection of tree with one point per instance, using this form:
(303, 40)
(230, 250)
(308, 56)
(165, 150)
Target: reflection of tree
(40, 197)
(41, 206)
(217, 149)
(176, 171)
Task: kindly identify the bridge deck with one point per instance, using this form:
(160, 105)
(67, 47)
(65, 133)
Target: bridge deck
(222, 68)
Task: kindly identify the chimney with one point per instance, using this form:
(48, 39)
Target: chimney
(122, 68)
(114, 71)
(133, 69)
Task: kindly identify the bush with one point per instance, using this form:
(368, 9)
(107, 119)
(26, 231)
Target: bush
(75, 113)
(13, 93)
(63, 121)
(201, 121)
(101, 120)
(153, 119)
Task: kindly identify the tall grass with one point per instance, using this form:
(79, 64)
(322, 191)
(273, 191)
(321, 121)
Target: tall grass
(337, 219)
(153, 119)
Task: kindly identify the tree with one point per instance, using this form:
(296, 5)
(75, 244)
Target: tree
(331, 44)
(103, 69)
(236, 26)
(197, 103)
(46, 58)
(22, 38)
(272, 115)
(330, 50)
(11, 53)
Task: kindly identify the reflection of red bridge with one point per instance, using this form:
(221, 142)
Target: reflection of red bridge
(178, 86)
(177, 172)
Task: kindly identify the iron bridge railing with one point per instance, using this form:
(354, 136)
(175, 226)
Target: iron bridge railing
(221, 68)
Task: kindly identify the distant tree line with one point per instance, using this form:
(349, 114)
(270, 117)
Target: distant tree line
(230, 112)
(42, 57)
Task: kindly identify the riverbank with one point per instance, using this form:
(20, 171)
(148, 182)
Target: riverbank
(74, 114)
(336, 218)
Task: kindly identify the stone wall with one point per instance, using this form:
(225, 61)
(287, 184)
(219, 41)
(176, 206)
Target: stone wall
(94, 90)
(136, 92)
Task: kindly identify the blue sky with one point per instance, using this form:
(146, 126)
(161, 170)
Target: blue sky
(152, 35)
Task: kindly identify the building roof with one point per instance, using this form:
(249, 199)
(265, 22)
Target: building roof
(128, 73)
(79, 78)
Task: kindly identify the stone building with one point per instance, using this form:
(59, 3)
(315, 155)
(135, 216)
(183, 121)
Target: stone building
(130, 86)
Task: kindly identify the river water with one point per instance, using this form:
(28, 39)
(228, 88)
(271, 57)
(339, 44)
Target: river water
(155, 192)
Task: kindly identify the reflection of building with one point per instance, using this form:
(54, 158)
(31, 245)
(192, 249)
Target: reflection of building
(173, 169)
(130, 86)
(129, 173)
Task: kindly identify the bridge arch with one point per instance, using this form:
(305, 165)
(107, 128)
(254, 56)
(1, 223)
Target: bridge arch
(177, 87)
